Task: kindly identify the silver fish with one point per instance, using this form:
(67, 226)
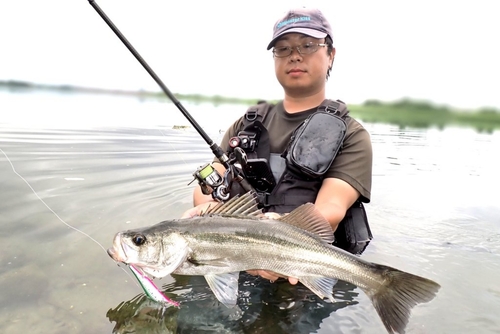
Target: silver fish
(234, 237)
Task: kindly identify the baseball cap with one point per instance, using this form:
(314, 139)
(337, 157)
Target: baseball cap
(307, 21)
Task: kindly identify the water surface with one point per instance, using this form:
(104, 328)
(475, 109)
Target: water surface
(104, 164)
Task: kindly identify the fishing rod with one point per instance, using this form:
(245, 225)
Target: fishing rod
(209, 179)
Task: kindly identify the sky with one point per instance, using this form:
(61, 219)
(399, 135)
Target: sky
(445, 52)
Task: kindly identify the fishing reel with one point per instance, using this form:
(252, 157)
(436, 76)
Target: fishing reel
(211, 182)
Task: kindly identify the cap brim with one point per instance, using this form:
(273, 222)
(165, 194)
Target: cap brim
(305, 31)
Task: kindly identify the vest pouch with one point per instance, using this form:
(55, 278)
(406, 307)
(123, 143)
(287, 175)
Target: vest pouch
(315, 144)
(353, 233)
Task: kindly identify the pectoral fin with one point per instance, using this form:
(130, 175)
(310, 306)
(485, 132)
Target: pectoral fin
(225, 287)
(321, 286)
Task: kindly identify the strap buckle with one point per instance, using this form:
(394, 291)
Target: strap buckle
(251, 115)
(332, 108)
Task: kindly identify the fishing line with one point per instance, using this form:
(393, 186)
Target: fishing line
(58, 217)
(48, 207)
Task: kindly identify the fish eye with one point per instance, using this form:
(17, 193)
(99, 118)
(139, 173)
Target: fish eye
(138, 239)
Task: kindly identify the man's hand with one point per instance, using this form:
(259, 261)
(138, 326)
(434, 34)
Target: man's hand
(199, 209)
(271, 276)
(272, 215)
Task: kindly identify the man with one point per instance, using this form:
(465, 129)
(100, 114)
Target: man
(303, 53)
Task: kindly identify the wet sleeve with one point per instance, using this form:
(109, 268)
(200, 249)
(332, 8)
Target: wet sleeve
(354, 163)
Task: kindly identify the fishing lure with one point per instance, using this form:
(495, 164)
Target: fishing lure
(150, 288)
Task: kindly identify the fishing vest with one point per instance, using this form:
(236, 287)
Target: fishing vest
(294, 187)
(298, 185)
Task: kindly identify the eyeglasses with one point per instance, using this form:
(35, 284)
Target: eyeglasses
(304, 49)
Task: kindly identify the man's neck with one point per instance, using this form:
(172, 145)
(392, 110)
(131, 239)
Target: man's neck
(295, 104)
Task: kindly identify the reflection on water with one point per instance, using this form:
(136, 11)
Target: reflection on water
(106, 164)
(263, 307)
(141, 315)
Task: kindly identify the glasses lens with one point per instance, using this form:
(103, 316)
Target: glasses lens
(304, 49)
(282, 51)
(308, 48)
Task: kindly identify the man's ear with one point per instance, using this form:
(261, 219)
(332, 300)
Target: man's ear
(332, 57)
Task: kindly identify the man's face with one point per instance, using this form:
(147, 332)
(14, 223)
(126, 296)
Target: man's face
(302, 74)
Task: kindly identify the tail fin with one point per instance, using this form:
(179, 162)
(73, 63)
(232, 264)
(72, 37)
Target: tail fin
(398, 294)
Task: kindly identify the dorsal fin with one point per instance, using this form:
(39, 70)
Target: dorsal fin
(308, 218)
(244, 205)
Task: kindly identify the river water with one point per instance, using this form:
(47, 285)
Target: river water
(76, 169)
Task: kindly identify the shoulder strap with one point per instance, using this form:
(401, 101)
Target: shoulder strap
(337, 107)
(257, 112)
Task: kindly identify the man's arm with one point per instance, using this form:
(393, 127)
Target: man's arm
(334, 198)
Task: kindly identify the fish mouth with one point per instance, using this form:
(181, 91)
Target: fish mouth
(118, 252)
(117, 255)
(112, 253)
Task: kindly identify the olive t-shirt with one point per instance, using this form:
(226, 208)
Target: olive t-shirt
(354, 162)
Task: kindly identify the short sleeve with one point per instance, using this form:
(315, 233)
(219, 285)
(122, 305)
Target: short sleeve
(354, 162)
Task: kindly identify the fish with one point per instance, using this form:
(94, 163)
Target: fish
(235, 236)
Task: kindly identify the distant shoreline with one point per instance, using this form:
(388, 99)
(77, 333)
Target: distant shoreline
(404, 112)
(216, 99)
